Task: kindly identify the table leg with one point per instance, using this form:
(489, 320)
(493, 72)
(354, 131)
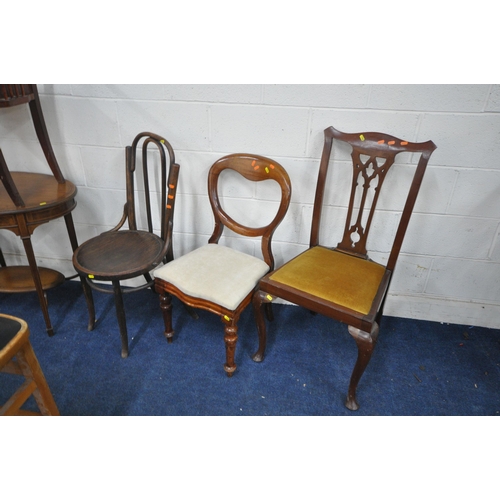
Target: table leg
(68, 218)
(28, 247)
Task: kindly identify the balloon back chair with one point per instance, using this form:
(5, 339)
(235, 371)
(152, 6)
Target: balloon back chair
(342, 282)
(122, 254)
(218, 278)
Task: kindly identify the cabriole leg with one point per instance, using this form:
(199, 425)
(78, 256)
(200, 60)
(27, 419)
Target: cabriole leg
(260, 299)
(366, 343)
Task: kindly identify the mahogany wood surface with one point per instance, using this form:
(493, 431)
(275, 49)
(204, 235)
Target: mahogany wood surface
(122, 253)
(373, 155)
(29, 199)
(255, 168)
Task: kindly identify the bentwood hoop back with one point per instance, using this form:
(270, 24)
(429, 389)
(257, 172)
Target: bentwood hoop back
(122, 254)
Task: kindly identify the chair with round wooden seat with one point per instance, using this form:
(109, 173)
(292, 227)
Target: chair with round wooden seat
(17, 357)
(122, 254)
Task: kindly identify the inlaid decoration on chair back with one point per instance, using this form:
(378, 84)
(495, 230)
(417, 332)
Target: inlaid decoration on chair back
(147, 143)
(373, 155)
(254, 168)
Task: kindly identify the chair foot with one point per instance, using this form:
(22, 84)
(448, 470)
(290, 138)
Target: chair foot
(351, 404)
(50, 332)
(258, 357)
(229, 370)
(124, 353)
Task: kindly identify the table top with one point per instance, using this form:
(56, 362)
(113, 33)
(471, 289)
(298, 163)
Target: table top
(38, 191)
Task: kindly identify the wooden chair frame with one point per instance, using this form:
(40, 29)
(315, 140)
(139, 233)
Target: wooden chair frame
(254, 168)
(381, 151)
(97, 261)
(17, 357)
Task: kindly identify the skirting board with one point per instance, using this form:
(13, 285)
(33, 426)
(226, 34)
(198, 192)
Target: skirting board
(444, 310)
(403, 306)
(440, 310)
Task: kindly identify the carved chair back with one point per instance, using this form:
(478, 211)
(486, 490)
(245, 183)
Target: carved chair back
(373, 155)
(254, 168)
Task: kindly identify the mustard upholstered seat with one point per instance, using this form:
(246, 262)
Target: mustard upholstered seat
(333, 276)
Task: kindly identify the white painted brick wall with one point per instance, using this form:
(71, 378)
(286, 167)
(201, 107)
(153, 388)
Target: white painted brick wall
(449, 269)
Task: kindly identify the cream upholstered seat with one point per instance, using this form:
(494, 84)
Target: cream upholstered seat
(215, 273)
(217, 278)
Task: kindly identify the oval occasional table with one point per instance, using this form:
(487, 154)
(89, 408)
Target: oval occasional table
(45, 199)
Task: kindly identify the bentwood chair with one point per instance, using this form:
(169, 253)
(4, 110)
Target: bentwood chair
(218, 278)
(30, 199)
(342, 282)
(122, 254)
(17, 357)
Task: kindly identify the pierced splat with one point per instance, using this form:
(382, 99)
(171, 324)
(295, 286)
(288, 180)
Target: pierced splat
(369, 171)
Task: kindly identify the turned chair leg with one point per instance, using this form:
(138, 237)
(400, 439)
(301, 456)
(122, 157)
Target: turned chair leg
(166, 308)
(120, 314)
(260, 300)
(366, 343)
(230, 339)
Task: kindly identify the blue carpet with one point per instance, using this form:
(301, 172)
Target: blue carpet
(418, 367)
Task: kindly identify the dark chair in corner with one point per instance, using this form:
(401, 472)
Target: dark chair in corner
(30, 199)
(343, 283)
(119, 255)
(217, 278)
(17, 357)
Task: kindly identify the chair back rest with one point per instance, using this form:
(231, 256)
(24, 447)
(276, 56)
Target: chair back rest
(373, 155)
(253, 168)
(148, 143)
(14, 94)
